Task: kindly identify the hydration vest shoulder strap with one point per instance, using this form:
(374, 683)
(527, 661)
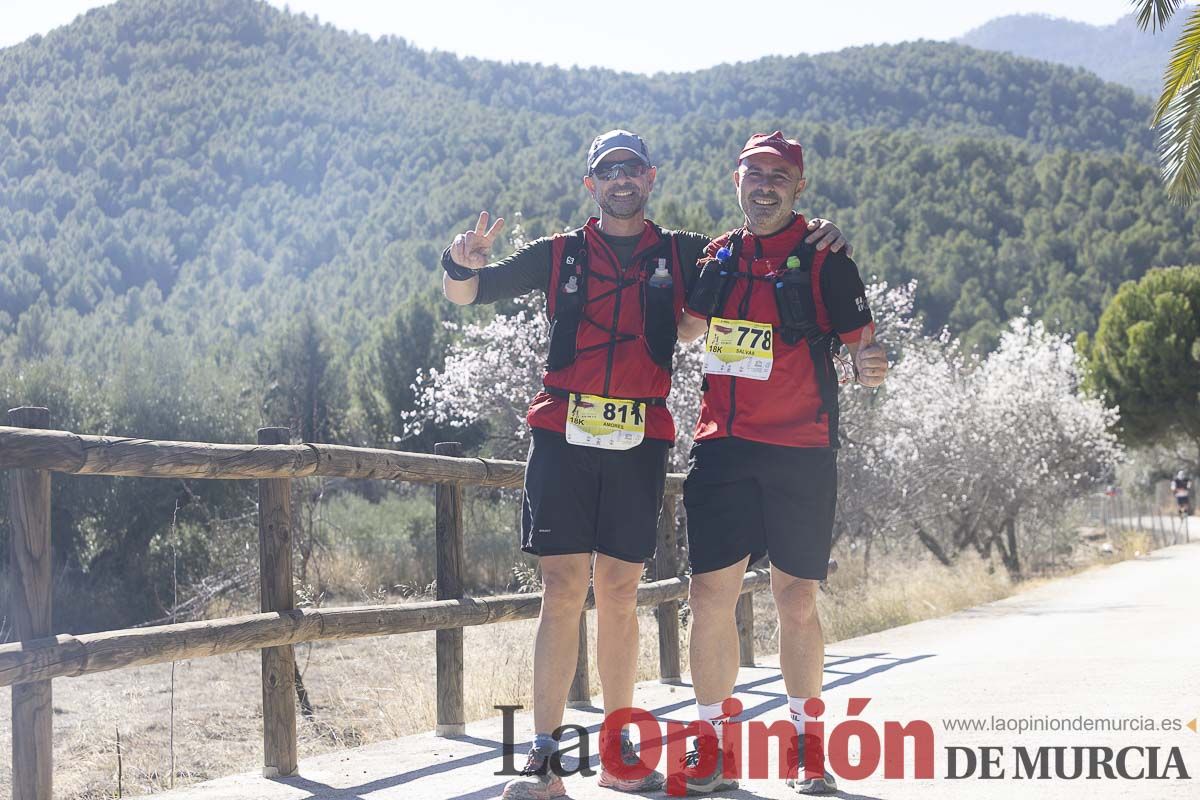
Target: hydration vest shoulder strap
(572, 260)
(660, 250)
(821, 345)
(808, 328)
(735, 259)
(659, 305)
(574, 253)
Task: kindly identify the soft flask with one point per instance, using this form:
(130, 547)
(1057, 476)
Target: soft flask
(793, 293)
(568, 310)
(661, 329)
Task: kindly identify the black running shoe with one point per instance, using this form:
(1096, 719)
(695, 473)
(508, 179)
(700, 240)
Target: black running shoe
(714, 781)
(816, 785)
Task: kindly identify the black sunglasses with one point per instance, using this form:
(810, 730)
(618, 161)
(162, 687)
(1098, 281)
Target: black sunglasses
(633, 168)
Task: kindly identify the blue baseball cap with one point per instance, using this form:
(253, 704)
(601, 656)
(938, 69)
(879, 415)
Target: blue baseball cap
(606, 143)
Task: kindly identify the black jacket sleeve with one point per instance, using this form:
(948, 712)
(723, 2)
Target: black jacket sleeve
(520, 273)
(843, 293)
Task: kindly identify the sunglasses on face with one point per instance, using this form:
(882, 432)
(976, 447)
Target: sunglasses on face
(633, 168)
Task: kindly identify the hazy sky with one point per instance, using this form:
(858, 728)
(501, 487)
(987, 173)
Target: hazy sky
(642, 36)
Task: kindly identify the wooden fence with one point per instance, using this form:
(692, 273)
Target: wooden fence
(31, 451)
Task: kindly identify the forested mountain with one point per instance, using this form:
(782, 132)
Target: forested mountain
(242, 163)
(216, 215)
(1121, 52)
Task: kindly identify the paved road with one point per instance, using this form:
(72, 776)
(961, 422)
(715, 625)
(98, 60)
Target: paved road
(1117, 643)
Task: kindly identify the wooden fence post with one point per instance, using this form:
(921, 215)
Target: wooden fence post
(745, 628)
(30, 605)
(666, 562)
(449, 535)
(580, 695)
(276, 593)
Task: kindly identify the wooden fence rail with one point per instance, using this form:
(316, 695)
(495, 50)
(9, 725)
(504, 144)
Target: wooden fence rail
(68, 656)
(32, 452)
(62, 451)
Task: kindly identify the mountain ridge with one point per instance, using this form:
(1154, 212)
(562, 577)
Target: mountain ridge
(1120, 52)
(881, 83)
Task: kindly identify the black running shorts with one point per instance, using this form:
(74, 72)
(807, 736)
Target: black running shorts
(586, 499)
(749, 498)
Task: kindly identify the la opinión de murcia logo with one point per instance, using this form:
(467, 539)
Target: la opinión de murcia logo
(1086, 762)
(747, 748)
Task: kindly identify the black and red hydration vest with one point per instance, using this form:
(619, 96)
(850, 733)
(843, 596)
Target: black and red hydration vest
(797, 405)
(611, 334)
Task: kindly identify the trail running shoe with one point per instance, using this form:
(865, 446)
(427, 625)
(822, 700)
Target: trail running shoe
(648, 783)
(536, 781)
(818, 785)
(715, 781)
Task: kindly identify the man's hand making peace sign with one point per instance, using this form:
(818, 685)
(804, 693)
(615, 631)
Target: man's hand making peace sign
(473, 249)
(468, 252)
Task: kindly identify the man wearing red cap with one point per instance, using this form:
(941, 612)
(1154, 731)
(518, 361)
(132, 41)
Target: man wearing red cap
(594, 479)
(762, 478)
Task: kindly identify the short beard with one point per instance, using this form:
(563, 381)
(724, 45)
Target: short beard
(769, 218)
(608, 209)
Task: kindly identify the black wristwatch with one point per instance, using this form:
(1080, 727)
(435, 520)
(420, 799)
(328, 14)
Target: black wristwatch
(456, 271)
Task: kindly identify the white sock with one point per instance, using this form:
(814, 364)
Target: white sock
(798, 714)
(715, 715)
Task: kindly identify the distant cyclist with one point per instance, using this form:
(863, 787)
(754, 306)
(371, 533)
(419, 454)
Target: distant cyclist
(1183, 493)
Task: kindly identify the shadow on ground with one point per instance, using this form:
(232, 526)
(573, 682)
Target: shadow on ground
(496, 750)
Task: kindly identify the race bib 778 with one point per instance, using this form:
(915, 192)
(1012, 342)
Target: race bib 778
(739, 348)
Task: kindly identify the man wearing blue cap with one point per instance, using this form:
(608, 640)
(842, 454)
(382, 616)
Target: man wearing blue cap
(615, 291)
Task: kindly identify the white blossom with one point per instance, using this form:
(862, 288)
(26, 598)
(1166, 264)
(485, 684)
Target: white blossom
(491, 372)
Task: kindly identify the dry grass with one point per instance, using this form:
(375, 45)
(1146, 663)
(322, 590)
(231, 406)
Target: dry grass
(377, 689)
(363, 691)
(1129, 544)
(900, 593)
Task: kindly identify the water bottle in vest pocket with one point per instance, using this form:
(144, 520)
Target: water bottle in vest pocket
(659, 308)
(568, 310)
(794, 301)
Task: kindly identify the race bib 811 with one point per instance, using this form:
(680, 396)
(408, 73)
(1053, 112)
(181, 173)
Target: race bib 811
(605, 422)
(739, 348)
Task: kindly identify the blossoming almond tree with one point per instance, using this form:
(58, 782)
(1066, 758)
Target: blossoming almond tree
(960, 448)
(490, 373)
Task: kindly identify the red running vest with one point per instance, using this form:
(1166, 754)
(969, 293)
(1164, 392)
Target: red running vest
(612, 359)
(786, 408)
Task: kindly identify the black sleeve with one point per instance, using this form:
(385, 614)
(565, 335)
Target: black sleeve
(691, 250)
(843, 292)
(520, 273)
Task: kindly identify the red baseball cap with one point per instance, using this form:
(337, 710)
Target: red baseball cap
(774, 143)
